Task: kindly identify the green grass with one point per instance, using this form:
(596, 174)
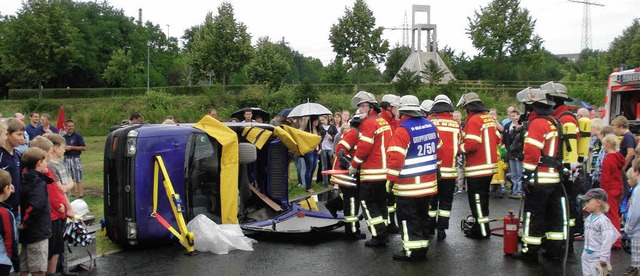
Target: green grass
(92, 164)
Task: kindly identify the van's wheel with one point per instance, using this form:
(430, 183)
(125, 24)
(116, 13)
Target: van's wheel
(247, 153)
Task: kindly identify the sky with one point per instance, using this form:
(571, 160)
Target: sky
(305, 24)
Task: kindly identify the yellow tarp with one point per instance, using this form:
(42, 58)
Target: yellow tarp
(228, 139)
(297, 141)
(257, 136)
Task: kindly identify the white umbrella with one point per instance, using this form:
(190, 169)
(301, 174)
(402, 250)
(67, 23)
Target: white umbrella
(309, 109)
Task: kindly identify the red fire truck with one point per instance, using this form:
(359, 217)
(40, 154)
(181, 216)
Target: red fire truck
(623, 97)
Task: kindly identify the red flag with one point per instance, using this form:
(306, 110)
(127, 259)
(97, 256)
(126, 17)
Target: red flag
(61, 120)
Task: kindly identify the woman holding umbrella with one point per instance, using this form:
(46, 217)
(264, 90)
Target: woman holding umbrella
(311, 158)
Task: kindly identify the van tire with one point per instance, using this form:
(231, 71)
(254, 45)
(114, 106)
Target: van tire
(247, 153)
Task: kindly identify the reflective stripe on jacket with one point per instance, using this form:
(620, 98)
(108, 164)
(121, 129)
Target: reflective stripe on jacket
(449, 137)
(370, 156)
(479, 145)
(412, 158)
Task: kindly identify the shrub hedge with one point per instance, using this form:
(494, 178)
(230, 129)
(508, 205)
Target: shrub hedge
(96, 110)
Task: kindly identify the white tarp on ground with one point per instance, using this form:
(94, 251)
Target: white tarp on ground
(218, 239)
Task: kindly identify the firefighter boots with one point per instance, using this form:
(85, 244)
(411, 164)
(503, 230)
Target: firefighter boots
(527, 257)
(376, 242)
(416, 256)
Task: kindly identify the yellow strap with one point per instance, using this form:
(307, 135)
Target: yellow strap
(184, 235)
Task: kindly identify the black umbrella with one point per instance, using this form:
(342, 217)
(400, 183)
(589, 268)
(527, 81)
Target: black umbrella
(239, 114)
(285, 112)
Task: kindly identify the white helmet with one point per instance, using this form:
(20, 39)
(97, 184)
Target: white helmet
(410, 106)
(532, 95)
(363, 97)
(388, 98)
(468, 98)
(426, 105)
(80, 207)
(442, 99)
(556, 90)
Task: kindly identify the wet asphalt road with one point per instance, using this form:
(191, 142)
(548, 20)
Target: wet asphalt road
(329, 254)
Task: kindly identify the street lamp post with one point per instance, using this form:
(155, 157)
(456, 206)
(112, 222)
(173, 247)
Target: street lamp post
(148, 64)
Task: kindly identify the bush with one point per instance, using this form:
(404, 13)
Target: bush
(188, 104)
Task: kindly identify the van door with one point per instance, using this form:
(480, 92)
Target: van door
(202, 173)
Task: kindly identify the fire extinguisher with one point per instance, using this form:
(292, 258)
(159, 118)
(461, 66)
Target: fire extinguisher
(510, 229)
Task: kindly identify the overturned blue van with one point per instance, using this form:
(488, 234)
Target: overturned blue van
(156, 177)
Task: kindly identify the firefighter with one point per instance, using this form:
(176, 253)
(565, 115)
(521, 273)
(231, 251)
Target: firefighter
(449, 134)
(426, 106)
(411, 176)
(479, 148)
(389, 112)
(557, 93)
(543, 207)
(370, 161)
(348, 201)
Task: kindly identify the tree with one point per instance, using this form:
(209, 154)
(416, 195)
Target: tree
(122, 71)
(268, 66)
(396, 58)
(432, 72)
(356, 39)
(335, 72)
(408, 82)
(222, 45)
(500, 30)
(39, 43)
(625, 49)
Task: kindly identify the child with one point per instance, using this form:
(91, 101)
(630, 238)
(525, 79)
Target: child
(56, 164)
(59, 204)
(35, 229)
(632, 226)
(599, 233)
(611, 180)
(8, 231)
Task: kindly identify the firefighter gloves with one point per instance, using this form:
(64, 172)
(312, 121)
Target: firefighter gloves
(389, 186)
(352, 170)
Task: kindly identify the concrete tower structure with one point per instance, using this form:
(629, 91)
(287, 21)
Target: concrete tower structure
(417, 59)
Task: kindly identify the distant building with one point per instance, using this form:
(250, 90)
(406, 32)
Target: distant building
(571, 57)
(417, 59)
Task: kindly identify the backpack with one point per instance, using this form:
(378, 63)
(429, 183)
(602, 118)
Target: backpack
(516, 147)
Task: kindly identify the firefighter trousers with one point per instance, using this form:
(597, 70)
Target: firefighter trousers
(544, 219)
(440, 206)
(391, 209)
(373, 197)
(351, 207)
(478, 195)
(413, 218)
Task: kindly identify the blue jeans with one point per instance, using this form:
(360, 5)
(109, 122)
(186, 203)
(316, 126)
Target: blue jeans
(300, 169)
(310, 163)
(325, 161)
(515, 166)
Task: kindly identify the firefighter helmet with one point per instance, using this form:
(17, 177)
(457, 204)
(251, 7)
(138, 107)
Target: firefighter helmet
(442, 99)
(80, 207)
(555, 90)
(531, 95)
(426, 105)
(468, 98)
(410, 105)
(388, 98)
(363, 97)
